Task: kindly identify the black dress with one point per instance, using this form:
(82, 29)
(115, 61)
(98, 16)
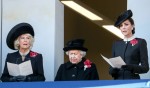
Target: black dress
(135, 56)
(72, 72)
(36, 63)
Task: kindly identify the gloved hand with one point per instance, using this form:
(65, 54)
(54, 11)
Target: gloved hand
(28, 78)
(21, 78)
(13, 79)
(127, 67)
(18, 79)
(114, 71)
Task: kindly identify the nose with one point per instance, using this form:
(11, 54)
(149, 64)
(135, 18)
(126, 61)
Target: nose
(122, 27)
(25, 39)
(73, 55)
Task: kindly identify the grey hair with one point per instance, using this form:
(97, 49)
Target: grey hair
(16, 42)
(83, 53)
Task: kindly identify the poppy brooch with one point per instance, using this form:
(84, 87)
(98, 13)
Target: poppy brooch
(134, 42)
(87, 64)
(33, 54)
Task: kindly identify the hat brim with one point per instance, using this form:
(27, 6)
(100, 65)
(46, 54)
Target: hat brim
(75, 48)
(16, 31)
(126, 15)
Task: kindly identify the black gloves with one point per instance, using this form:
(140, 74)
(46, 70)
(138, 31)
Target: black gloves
(127, 67)
(19, 78)
(114, 72)
(13, 79)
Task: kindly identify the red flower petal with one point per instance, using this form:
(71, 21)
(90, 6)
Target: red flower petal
(33, 54)
(134, 42)
(87, 63)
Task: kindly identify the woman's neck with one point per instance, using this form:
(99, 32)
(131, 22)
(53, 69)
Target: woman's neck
(23, 51)
(128, 36)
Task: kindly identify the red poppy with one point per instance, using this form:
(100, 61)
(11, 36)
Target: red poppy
(134, 42)
(33, 54)
(87, 64)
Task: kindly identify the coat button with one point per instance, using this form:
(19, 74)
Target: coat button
(73, 75)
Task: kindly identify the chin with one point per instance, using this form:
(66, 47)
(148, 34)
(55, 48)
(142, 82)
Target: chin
(25, 48)
(74, 62)
(125, 34)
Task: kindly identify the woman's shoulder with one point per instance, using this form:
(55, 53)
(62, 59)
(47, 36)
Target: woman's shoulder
(34, 53)
(12, 56)
(118, 41)
(64, 66)
(13, 53)
(142, 40)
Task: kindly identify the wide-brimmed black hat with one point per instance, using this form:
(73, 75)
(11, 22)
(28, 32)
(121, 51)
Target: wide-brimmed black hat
(76, 44)
(122, 17)
(16, 31)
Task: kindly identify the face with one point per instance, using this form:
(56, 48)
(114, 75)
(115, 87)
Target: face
(74, 56)
(126, 28)
(24, 41)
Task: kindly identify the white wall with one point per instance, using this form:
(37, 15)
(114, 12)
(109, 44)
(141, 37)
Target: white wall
(59, 36)
(141, 16)
(41, 14)
(0, 39)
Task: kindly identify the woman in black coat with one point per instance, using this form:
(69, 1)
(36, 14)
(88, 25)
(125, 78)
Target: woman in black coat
(78, 67)
(133, 50)
(21, 38)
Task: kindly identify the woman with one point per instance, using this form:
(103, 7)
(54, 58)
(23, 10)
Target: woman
(21, 38)
(133, 50)
(78, 67)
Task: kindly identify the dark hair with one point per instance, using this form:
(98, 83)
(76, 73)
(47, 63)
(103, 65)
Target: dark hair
(132, 22)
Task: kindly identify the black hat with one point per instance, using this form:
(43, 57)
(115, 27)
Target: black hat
(16, 31)
(76, 44)
(123, 16)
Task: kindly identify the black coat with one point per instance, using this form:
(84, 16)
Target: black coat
(72, 72)
(136, 58)
(36, 62)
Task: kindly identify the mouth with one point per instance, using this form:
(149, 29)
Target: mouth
(74, 60)
(25, 44)
(124, 31)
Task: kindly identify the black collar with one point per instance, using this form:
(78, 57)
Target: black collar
(80, 65)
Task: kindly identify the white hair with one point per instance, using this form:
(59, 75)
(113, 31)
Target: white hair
(16, 42)
(83, 53)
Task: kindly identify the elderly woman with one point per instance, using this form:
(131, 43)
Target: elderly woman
(21, 38)
(78, 67)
